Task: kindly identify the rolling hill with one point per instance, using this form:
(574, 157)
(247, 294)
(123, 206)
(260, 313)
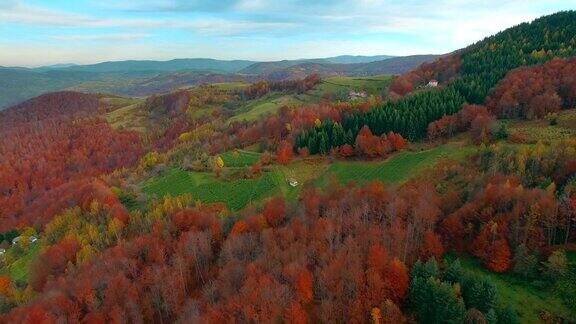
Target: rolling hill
(194, 64)
(144, 78)
(156, 84)
(264, 68)
(350, 59)
(391, 66)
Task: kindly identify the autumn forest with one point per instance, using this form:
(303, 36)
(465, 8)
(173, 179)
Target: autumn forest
(446, 194)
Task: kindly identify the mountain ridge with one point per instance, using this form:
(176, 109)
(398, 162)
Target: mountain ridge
(229, 66)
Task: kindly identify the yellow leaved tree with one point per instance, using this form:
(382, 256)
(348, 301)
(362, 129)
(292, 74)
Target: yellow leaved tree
(219, 162)
(219, 166)
(185, 137)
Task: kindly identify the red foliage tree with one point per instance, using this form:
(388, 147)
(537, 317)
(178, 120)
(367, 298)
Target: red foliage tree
(540, 105)
(397, 141)
(346, 151)
(284, 153)
(534, 91)
(500, 256)
(471, 117)
(398, 280)
(53, 262)
(304, 286)
(275, 211)
(295, 313)
(432, 246)
(373, 146)
(304, 152)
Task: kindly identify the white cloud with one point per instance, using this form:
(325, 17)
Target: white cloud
(18, 12)
(457, 19)
(223, 27)
(117, 37)
(260, 29)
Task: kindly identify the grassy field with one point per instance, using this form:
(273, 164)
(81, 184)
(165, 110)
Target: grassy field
(526, 299)
(268, 104)
(231, 85)
(18, 270)
(303, 171)
(201, 112)
(206, 188)
(126, 114)
(396, 169)
(375, 85)
(238, 193)
(240, 158)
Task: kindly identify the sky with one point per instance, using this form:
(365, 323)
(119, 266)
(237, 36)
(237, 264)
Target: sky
(43, 32)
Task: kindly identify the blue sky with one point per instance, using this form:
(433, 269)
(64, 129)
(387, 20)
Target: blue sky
(39, 32)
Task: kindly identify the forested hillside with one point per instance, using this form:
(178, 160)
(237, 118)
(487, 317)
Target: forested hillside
(472, 72)
(372, 199)
(48, 142)
(468, 75)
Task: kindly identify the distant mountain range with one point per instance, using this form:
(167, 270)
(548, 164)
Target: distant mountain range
(269, 67)
(143, 78)
(395, 65)
(351, 59)
(201, 64)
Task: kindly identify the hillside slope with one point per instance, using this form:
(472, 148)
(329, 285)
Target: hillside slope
(467, 76)
(476, 69)
(325, 67)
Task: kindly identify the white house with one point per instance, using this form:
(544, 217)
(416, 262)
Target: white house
(432, 84)
(354, 95)
(293, 182)
(16, 240)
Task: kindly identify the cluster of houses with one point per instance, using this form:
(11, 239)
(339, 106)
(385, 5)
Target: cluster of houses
(16, 240)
